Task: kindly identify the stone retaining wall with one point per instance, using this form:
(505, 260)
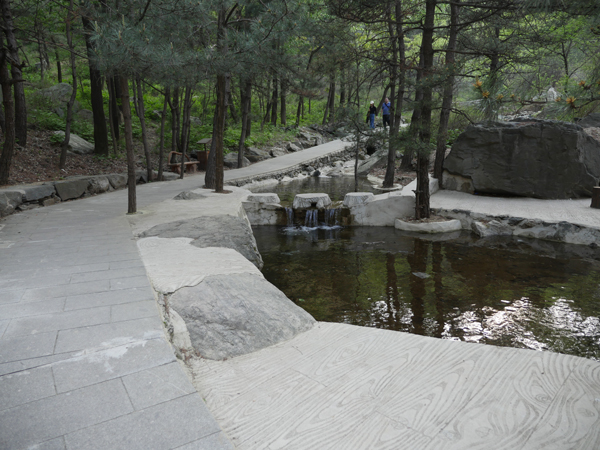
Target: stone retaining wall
(484, 226)
(24, 197)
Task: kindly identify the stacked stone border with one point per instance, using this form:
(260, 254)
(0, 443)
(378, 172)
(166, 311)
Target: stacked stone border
(29, 196)
(484, 226)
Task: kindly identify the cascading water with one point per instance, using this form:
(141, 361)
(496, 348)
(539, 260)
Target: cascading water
(290, 216)
(311, 220)
(332, 216)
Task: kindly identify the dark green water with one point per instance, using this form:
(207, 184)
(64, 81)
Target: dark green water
(501, 291)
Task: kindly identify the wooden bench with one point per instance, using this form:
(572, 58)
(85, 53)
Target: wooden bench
(175, 166)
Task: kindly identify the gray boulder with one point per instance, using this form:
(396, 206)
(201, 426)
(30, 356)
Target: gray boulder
(590, 121)
(98, 185)
(188, 195)
(77, 144)
(72, 188)
(9, 201)
(375, 161)
(277, 152)
(231, 160)
(231, 315)
(254, 154)
(292, 147)
(35, 192)
(529, 158)
(213, 231)
(117, 180)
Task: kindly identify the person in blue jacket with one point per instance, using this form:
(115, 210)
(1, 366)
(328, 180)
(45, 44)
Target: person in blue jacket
(372, 114)
(385, 111)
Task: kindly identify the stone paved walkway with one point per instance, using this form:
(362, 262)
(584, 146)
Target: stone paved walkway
(84, 362)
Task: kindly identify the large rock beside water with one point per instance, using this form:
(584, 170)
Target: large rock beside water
(213, 231)
(229, 316)
(528, 157)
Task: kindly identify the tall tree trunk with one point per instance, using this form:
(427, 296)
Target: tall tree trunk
(249, 116)
(131, 178)
(283, 119)
(390, 170)
(331, 117)
(17, 76)
(274, 101)
(161, 145)
(245, 95)
(114, 92)
(100, 132)
(299, 109)
(141, 111)
(185, 129)
(422, 210)
(415, 119)
(442, 137)
(176, 119)
(65, 143)
(114, 132)
(58, 66)
(9, 117)
(343, 88)
(210, 177)
(231, 105)
(220, 122)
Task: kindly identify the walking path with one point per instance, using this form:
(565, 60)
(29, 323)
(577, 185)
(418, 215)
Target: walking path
(85, 364)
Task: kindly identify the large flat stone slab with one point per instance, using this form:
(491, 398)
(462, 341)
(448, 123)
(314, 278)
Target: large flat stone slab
(213, 231)
(339, 386)
(175, 263)
(229, 316)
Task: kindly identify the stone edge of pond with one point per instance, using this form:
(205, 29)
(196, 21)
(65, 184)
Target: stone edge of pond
(488, 225)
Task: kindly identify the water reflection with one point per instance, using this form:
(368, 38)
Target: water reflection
(501, 291)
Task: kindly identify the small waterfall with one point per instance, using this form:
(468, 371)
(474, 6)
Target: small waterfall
(311, 220)
(332, 217)
(290, 216)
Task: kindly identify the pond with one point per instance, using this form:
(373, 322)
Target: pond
(336, 187)
(501, 291)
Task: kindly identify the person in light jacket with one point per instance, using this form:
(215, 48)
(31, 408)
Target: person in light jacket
(372, 114)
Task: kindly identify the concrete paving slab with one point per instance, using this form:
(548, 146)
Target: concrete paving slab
(436, 394)
(16, 310)
(108, 274)
(31, 363)
(51, 417)
(32, 295)
(172, 424)
(26, 386)
(216, 441)
(157, 385)
(109, 298)
(25, 347)
(134, 310)
(129, 283)
(11, 296)
(3, 326)
(108, 335)
(98, 366)
(57, 321)
(52, 444)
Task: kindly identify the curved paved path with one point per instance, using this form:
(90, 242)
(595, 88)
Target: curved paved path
(84, 362)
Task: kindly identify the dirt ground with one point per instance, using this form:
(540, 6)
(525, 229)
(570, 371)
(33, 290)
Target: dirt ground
(39, 161)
